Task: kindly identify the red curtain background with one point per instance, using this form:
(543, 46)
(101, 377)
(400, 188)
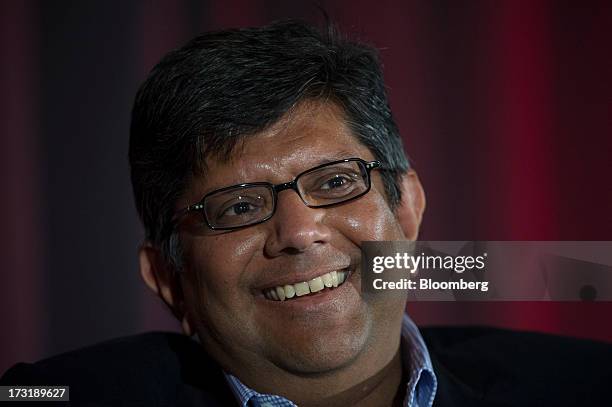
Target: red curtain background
(505, 108)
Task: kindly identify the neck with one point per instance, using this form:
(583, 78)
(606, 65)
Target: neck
(384, 389)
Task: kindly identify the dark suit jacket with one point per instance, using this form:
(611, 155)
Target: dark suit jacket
(474, 366)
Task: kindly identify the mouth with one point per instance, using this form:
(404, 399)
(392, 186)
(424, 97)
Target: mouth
(322, 283)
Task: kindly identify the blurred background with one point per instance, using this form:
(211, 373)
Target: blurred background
(505, 108)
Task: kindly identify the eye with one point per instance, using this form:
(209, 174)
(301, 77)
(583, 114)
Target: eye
(238, 209)
(337, 181)
(241, 208)
(237, 206)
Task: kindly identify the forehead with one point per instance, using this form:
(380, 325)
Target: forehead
(310, 134)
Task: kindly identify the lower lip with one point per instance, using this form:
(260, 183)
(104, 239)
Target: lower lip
(313, 302)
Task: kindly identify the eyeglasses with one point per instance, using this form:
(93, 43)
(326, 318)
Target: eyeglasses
(248, 204)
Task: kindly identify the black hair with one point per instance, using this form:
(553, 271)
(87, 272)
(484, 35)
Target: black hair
(201, 99)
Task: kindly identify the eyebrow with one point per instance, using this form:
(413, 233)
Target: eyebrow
(339, 155)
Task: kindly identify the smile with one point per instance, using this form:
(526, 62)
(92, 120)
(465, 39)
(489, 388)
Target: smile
(329, 280)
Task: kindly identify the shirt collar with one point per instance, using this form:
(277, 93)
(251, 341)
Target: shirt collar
(422, 385)
(420, 389)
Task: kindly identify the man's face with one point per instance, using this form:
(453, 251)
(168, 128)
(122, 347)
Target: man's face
(226, 273)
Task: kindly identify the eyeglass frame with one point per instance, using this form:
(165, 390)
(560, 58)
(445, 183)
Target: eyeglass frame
(276, 188)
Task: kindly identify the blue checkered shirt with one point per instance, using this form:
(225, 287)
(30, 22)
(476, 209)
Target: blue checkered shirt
(420, 389)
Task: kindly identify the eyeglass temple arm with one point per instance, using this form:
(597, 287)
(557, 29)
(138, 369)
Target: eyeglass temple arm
(373, 164)
(178, 215)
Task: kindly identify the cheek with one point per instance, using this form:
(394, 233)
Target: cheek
(217, 271)
(369, 218)
(217, 295)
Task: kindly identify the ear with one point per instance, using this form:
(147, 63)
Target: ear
(409, 211)
(162, 280)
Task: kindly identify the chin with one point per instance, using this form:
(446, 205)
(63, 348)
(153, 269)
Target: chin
(321, 353)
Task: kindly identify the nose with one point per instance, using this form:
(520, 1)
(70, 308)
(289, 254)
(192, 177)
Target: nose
(295, 226)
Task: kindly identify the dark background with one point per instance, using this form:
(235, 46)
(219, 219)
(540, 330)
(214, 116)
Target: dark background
(505, 108)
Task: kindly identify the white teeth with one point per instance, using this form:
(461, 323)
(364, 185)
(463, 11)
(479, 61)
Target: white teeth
(328, 280)
(301, 289)
(341, 275)
(289, 291)
(334, 278)
(316, 284)
(280, 291)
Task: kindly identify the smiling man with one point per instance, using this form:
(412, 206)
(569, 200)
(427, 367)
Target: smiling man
(261, 159)
(289, 159)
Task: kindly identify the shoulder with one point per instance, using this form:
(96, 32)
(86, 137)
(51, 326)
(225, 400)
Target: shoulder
(157, 368)
(496, 343)
(532, 368)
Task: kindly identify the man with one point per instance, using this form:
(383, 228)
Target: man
(261, 159)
